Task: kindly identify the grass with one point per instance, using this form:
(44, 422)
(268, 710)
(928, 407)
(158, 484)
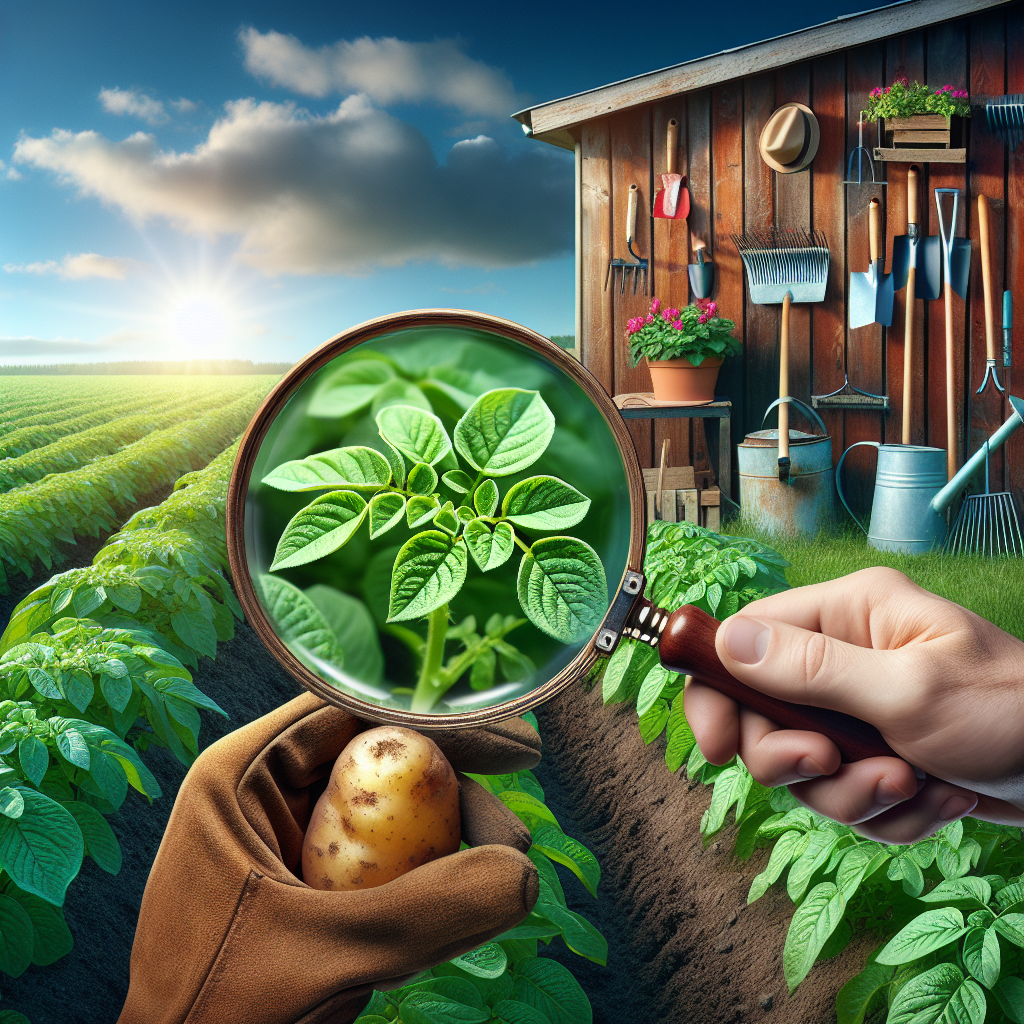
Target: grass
(992, 587)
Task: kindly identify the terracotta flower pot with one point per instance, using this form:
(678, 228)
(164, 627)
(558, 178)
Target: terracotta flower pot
(679, 381)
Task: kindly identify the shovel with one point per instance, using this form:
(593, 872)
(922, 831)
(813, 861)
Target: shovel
(702, 273)
(672, 201)
(871, 293)
(914, 251)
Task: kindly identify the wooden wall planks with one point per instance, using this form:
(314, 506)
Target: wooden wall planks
(731, 189)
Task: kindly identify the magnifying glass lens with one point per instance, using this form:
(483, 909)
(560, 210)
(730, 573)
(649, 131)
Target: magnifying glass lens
(436, 519)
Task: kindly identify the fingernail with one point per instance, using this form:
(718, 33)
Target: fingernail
(956, 807)
(809, 768)
(887, 794)
(746, 639)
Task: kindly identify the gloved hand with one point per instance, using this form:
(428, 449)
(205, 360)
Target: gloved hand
(228, 932)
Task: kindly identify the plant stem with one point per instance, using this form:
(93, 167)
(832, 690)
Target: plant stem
(428, 691)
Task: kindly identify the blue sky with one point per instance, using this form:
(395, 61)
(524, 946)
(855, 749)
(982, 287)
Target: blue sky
(248, 179)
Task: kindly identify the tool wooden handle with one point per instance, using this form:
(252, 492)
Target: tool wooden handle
(687, 646)
(984, 243)
(908, 348)
(874, 226)
(671, 145)
(784, 378)
(631, 215)
(950, 378)
(912, 194)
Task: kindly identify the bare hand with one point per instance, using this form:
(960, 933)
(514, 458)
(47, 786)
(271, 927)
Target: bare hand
(944, 686)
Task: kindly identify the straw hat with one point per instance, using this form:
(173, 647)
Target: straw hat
(789, 140)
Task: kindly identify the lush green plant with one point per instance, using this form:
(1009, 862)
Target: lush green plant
(695, 332)
(902, 99)
(505, 981)
(561, 583)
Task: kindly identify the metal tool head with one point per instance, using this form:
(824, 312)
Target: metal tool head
(871, 297)
(987, 523)
(956, 252)
(924, 254)
(1005, 116)
(778, 262)
(861, 154)
(990, 374)
(702, 275)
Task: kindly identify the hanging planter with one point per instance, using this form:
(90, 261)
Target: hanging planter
(917, 124)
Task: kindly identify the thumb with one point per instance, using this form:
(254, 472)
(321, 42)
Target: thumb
(806, 667)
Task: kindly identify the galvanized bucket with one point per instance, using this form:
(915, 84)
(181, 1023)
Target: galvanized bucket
(806, 504)
(907, 479)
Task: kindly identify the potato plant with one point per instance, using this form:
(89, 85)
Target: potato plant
(449, 492)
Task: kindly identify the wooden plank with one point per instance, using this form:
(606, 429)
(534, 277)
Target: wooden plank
(1014, 452)
(596, 234)
(904, 58)
(988, 78)
(671, 256)
(631, 164)
(793, 210)
(677, 477)
(916, 156)
(946, 61)
(864, 345)
(828, 318)
(938, 138)
(807, 44)
(692, 509)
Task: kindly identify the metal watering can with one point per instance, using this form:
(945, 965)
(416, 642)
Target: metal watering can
(911, 493)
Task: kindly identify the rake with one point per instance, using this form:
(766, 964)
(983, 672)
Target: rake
(987, 524)
(1005, 116)
(636, 267)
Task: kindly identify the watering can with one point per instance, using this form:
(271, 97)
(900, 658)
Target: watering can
(908, 511)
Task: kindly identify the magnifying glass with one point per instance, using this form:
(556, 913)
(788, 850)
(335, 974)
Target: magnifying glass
(436, 520)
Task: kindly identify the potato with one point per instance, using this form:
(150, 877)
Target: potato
(392, 804)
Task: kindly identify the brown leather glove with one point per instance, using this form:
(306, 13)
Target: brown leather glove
(228, 932)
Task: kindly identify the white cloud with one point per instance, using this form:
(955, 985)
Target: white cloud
(77, 268)
(184, 106)
(387, 70)
(130, 101)
(342, 193)
(123, 344)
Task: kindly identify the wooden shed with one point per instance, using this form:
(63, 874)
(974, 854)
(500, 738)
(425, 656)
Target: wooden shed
(722, 102)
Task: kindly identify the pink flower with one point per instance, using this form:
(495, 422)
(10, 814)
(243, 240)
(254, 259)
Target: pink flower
(650, 318)
(711, 309)
(633, 325)
(888, 89)
(703, 318)
(678, 325)
(671, 314)
(902, 81)
(655, 305)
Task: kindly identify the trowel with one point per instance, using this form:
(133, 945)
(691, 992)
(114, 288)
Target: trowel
(871, 292)
(702, 273)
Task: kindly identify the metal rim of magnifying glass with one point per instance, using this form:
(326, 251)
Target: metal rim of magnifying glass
(249, 447)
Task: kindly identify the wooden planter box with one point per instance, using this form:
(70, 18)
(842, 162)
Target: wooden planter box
(922, 138)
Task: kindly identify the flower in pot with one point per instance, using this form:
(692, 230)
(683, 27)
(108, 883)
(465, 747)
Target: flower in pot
(684, 349)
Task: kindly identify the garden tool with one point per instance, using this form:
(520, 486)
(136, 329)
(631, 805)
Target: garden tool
(1007, 328)
(594, 452)
(636, 266)
(990, 313)
(672, 200)
(987, 523)
(917, 253)
(871, 293)
(1005, 115)
(956, 264)
(786, 267)
(861, 154)
(702, 273)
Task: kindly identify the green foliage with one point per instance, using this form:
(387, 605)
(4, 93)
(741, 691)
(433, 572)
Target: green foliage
(903, 99)
(695, 332)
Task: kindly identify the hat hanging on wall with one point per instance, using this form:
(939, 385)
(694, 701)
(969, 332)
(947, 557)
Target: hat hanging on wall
(789, 141)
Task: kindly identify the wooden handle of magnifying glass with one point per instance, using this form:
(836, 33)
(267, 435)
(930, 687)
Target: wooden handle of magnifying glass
(687, 646)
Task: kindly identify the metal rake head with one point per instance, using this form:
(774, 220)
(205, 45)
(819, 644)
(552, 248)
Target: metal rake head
(1005, 115)
(987, 524)
(779, 261)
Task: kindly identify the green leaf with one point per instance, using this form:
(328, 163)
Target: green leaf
(357, 468)
(971, 890)
(489, 549)
(430, 1008)
(549, 987)
(504, 431)
(396, 462)
(1011, 927)
(981, 955)
(653, 721)
(51, 937)
(782, 854)
(354, 629)
(298, 620)
(577, 932)
(15, 937)
(554, 843)
(465, 513)
(863, 994)
(100, 842)
(528, 808)
(126, 596)
(562, 588)
(42, 850)
(88, 599)
(818, 850)
(416, 433)
(319, 529)
(626, 670)
(512, 1011)
(489, 961)
(116, 690)
(429, 571)
(399, 392)
(34, 758)
(421, 509)
(481, 675)
(680, 736)
(349, 388)
(72, 745)
(731, 787)
(422, 479)
(386, 510)
(458, 481)
(12, 803)
(485, 498)
(446, 519)
(926, 933)
(1010, 994)
(650, 690)
(939, 995)
(813, 922)
(544, 503)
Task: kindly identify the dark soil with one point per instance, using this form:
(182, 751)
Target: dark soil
(684, 948)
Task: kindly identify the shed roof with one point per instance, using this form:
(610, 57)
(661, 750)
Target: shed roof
(549, 121)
